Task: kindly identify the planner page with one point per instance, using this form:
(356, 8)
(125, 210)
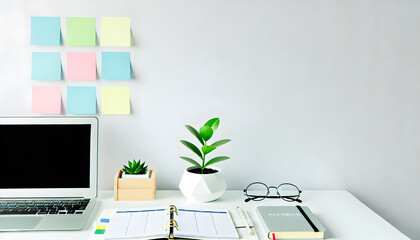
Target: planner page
(147, 223)
(205, 224)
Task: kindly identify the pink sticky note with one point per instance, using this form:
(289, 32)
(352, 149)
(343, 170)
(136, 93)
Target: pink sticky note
(46, 99)
(81, 66)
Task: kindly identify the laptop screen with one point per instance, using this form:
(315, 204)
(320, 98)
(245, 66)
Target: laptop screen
(45, 156)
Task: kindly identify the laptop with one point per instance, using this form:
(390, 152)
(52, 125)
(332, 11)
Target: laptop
(48, 172)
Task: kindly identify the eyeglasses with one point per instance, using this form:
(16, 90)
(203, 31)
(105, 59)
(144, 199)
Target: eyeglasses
(258, 191)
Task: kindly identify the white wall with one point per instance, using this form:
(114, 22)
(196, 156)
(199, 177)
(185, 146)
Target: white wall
(323, 94)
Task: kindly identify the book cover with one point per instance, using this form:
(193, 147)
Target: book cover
(290, 222)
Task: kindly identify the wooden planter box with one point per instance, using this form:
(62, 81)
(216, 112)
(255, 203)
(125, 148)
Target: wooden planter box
(137, 189)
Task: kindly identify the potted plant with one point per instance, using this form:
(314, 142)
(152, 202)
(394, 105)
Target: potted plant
(135, 170)
(135, 182)
(200, 182)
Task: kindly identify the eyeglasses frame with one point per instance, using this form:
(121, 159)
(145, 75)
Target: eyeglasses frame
(288, 198)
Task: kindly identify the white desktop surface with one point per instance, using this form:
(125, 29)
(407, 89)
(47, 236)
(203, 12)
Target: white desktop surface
(343, 216)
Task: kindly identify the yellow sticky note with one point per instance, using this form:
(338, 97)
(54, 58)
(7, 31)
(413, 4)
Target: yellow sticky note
(115, 31)
(101, 227)
(115, 100)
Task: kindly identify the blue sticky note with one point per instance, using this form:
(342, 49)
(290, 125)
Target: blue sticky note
(45, 31)
(105, 220)
(46, 66)
(81, 100)
(116, 66)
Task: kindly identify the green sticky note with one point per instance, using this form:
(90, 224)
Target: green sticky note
(116, 100)
(115, 31)
(81, 31)
(99, 231)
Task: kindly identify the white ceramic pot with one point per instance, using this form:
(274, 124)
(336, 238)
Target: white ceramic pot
(202, 187)
(146, 175)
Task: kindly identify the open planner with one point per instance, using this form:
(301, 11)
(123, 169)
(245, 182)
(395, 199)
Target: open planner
(171, 223)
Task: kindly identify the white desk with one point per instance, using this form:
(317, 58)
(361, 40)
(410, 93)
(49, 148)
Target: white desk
(343, 216)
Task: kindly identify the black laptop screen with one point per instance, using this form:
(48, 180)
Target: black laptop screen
(44, 156)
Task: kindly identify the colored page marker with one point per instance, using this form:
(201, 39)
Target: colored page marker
(105, 220)
(101, 227)
(99, 231)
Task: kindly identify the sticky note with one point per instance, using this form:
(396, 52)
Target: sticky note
(116, 66)
(104, 220)
(100, 227)
(46, 66)
(115, 31)
(115, 100)
(46, 99)
(81, 100)
(81, 66)
(80, 31)
(99, 231)
(45, 31)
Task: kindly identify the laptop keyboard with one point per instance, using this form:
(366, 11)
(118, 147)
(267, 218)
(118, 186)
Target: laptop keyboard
(25, 207)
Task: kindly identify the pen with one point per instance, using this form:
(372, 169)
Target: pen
(248, 220)
(241, 214)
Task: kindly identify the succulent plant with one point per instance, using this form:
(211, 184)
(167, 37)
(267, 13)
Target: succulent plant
(135, 167)
(203, 136)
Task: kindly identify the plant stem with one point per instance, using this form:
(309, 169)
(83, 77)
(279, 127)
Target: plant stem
(202, 166)
(204, 159)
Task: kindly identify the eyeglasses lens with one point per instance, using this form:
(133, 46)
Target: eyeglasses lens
(288, 192)
(257, 191)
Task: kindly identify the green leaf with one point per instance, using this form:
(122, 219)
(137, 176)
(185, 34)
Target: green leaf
(192, 161)
(213, 123)
(195, 133)
(130, 164)
(136, 164)
(137, 170)
(192, 147)
(207, 149)
(220, 143)
(215, 160)
(130, 171)
(142, 165)
(206, 132)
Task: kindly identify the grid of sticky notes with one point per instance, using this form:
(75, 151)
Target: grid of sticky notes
(82, 65)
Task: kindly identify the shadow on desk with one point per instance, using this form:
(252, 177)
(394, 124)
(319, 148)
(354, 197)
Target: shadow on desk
(93, 217)
(328, 234)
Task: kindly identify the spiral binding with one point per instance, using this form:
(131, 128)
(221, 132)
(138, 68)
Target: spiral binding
(172, 208)
(171, 224)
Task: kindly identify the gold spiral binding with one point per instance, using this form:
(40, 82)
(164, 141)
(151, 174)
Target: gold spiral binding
(172, 208)
(171, 223)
